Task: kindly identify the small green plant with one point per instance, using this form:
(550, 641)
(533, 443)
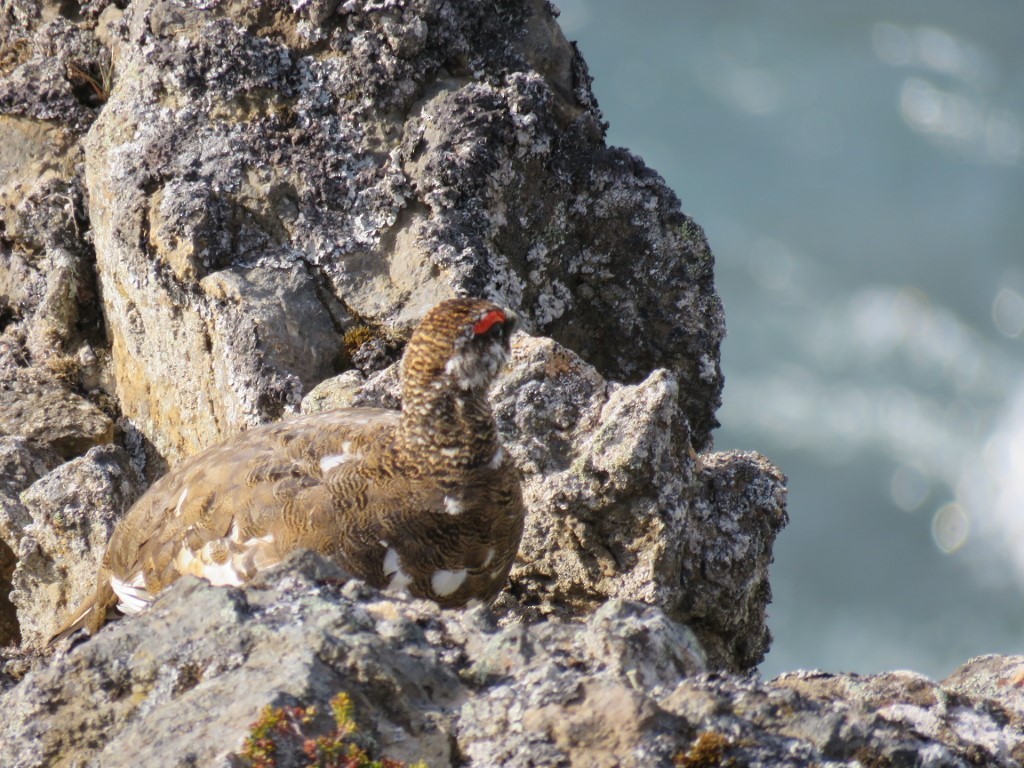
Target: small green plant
(281, 732)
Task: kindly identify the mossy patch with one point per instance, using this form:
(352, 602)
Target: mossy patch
(351, 341)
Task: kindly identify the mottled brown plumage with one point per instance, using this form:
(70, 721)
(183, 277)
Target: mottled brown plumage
(425, 499)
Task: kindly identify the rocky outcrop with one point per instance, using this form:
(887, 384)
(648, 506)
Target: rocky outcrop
(261, 195)
(209, 209)
(620, 505)
(263, 180)
(624, 687)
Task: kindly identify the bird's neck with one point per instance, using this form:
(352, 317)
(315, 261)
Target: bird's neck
(453, 427)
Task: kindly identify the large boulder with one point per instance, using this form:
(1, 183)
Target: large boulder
(266, 177)
(621, 506)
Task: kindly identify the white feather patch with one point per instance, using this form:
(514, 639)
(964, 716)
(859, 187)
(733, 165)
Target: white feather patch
(497, 458)
(186, 562)
(181, 502)
(132, 595)
(223, 575)
(445, 583)
(228, 562)
(330, 462)
(453, 505)
(489, 558)
(398, 579)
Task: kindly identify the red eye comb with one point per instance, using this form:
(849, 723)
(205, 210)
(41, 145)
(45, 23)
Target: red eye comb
(485, 323)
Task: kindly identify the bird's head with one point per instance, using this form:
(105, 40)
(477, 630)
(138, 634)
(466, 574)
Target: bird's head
(460, 343)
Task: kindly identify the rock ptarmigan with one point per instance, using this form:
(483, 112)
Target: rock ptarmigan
(425, 499)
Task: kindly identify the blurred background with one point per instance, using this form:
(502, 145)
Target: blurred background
(859, 171)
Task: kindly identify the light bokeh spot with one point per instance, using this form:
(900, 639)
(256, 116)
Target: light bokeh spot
(950, 527)
(1008, 313)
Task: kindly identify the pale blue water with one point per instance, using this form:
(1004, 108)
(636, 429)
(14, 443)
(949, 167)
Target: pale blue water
(859, 170)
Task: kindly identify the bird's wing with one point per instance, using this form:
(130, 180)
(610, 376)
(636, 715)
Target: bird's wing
(237, 508)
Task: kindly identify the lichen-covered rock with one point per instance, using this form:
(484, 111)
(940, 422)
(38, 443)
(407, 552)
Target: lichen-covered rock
(267, 193)
(21, 464)
(266, 182)
(73, 510)
(48, 75)
(368, 160)
(50, 70)
(991, 677)
(39, 409)
(620, 506)
(421, 678)
(183, 683)
(337, 392)
(13, 518)
(903, 718)
(730, 531)
(52, 75)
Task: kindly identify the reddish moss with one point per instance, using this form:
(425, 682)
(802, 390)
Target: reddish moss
(282, 732)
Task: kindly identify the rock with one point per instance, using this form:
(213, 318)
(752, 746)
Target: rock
(622, 688)
(52, 74)
(21, 464)
(265, 194)
(336, 392)
(13, 517)
(902, 718)
(73, 510)
(39, 409)
(209, 209)
(991, 677)
(414, 672)
(54, 71)
(47, 103)
(619, 505)
(724, 589)
(368, 160)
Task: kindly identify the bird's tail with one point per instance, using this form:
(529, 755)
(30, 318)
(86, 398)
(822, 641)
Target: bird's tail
(80, 619)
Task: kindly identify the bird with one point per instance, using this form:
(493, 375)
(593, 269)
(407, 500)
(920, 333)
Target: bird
(425, 499)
